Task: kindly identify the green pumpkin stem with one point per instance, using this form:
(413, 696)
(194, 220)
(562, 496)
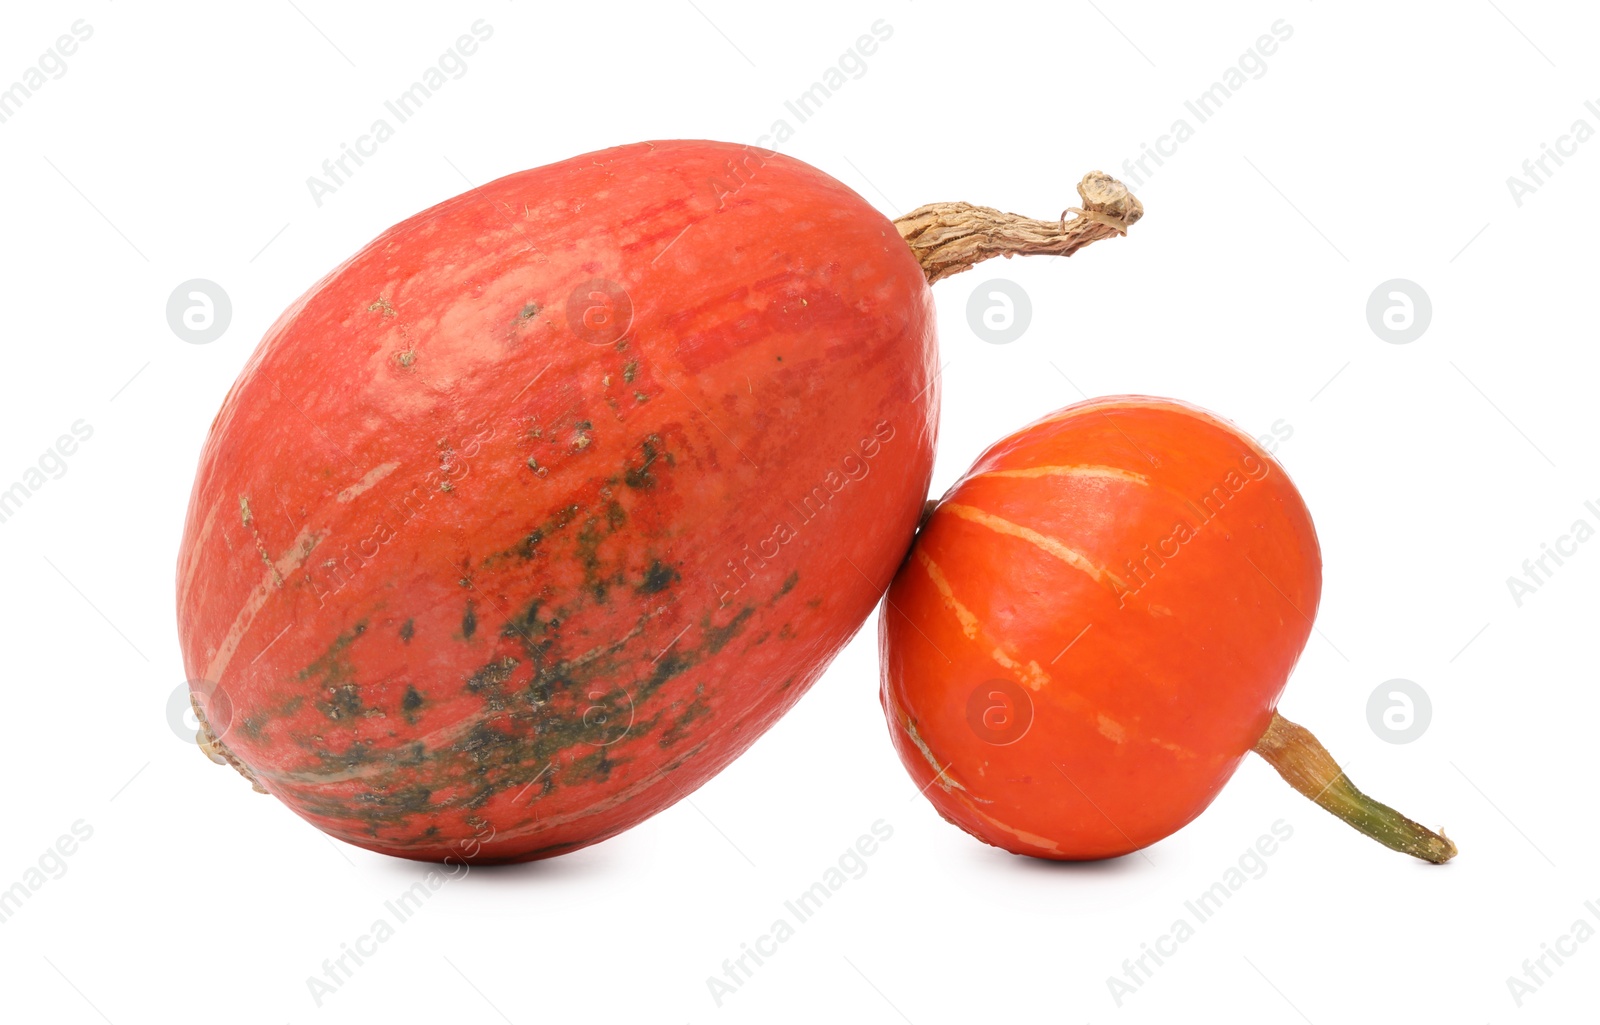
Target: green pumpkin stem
(1308, 767)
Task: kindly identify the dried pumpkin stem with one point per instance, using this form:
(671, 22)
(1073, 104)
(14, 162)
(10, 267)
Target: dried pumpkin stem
(947, 238)
(1308, 767)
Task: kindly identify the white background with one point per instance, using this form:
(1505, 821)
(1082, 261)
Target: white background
(1376, 145)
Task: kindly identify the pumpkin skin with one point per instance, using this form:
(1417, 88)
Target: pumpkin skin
(1095, 625)
(534, 514)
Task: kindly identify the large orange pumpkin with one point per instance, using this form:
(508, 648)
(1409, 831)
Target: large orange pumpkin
(534, 514)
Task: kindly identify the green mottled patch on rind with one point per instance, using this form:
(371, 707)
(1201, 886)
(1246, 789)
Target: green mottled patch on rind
(525, 625)
(490, 678)
(596, 766)
(405, 801)
(634, 476)
(528, 547)
(695, 709)
(519, 748)
(789, 582)
(337, 676)
(639, 476)
(531, 734)
(595, 530)
(469, 622)
(408, 630)
(716, 637)
(667, 666)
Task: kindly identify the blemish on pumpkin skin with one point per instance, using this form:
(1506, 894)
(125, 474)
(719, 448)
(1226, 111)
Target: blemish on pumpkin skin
(588, 544)
(492, 675)
(639, 476)
(596, 766)
(410, 703)
(783, 589)
(530, 311)
(717, 637)
(409, 801)
(528, 547)
(696, 709)
(337, 673)
(657, 578)
(382, 304)
(469, 622)
(521, 625)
